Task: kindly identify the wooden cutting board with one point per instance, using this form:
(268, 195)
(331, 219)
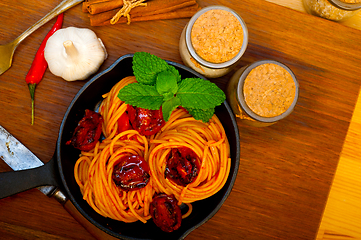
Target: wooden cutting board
(286, 169)
(342, 215)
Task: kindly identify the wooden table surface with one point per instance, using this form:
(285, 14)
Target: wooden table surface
(342, 216)
(286, 170)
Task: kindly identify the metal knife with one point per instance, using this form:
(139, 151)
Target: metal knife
(19, 157)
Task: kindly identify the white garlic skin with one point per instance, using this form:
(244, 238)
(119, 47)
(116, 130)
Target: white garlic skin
(89, 55)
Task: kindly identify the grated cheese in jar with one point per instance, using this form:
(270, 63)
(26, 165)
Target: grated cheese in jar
(213, 41)
(324, 9)
(269, 90)
(351, 1)
(217, 36)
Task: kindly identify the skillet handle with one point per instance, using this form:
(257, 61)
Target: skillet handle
(71, 209)
(18, 181)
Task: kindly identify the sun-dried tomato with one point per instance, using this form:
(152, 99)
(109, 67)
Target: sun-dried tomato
(131, 173)
(88, 131)
(182, 166)
(146, 122)
(165, 212)
(124, 123)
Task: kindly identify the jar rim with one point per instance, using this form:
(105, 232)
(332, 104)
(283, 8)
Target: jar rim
(243, 103)
(345, 6)
(192, 50)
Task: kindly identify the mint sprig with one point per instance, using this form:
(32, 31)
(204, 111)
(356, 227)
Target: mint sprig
(160, 84)
(166, 84)
(147, 66)
(199, 94)
(201, 114)
(141, 95)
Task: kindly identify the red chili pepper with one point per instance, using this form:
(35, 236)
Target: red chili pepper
(39, 65)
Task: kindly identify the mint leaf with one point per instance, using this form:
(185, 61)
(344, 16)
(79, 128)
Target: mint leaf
(168, 107)
(175, 72)
(146, 67)
(167, 96)
(141, 95)
(166, 83)
(197, 93)
(201, 114)
(160, 85)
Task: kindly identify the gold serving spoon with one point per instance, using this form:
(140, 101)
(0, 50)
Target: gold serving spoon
(7, 50)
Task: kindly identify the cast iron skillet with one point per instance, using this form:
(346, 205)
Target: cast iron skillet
(65, 157)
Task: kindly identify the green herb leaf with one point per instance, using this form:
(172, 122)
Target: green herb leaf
(197, 93)
(168, 107)
(146, 67)
(160, 84)
(201, 114)
(141, 95)
(175, 72)
(168, 96)
(166, 83)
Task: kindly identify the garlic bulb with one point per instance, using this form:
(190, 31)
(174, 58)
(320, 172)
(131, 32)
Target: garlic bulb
(74, 53)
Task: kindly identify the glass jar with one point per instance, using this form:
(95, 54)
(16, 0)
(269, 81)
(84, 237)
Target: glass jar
(262, 93)
(213, 41)
(335, 10)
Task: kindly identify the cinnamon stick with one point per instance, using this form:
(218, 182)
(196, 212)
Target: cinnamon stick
(154, 7)
(104, 6)
(97, 19)
(87, 3)
(179, 13)
(161, 6)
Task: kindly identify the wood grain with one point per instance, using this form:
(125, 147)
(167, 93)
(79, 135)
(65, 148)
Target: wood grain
(286, 169)
(342, 216)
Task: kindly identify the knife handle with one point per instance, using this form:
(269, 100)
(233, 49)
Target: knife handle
(71, 209)
(18, 181)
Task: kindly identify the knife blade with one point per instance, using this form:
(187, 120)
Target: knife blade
(19, 157)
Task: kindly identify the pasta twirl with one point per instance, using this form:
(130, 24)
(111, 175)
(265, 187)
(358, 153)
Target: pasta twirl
(112, 108)
(207, 140)
(93, 169)
(93, 173)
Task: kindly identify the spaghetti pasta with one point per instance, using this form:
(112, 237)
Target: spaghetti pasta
(207, 140)
(93, 170)
(112, 108)
(93, 173)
